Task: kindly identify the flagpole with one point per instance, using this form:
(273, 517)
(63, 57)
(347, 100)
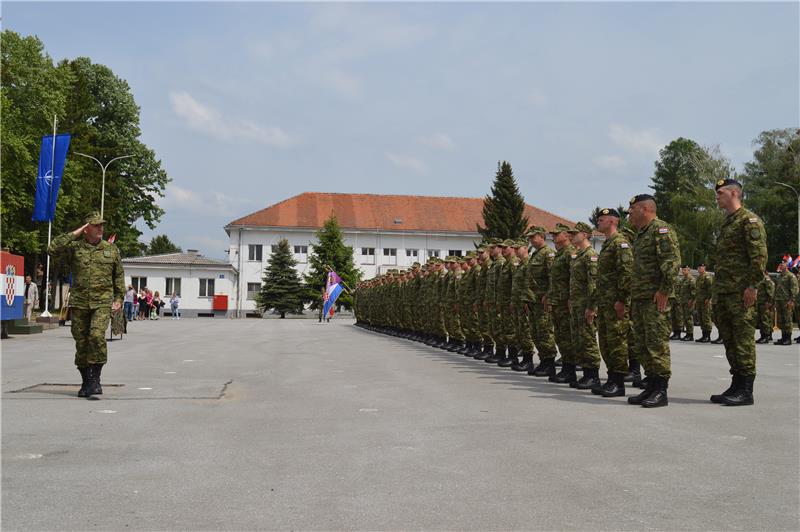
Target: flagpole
(46, 313)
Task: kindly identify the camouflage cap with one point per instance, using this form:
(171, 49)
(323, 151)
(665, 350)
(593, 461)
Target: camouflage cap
(581, 227)
(560, 228)
(507, 243)
(495, 241)
(522, 243)
(472, 254)
(94, 218)
(415, 265)
(535, 230)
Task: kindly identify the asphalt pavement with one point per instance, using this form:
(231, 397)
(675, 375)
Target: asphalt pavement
(213, 424)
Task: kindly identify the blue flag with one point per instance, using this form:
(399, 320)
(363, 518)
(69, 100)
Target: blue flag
(48, 180)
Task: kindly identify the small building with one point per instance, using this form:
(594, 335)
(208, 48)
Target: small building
(207, 287)
(385, 231)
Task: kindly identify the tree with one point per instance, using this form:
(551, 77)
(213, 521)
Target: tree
(676, 172)
(775, 160)
(331, 252)
(504, 210)
(162, 244)
(623, 212)
(281, 289)
(98, 109)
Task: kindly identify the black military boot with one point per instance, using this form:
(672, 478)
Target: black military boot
(736, 382)
(591, 379)
(453, 345)
(676, 335)
(525, 364)
(635, 375)
(659, 395)
(499, 354)
(797, 340)
(688, 337)
(485, 353)
(743, 395)
(717, 341)
(706, 338)
(86, 381)
(786, 339)
(558, 362)
(566, 375)
(649, 387)
(615, 387)
(510, 359)
(547, 368)
(95, 388)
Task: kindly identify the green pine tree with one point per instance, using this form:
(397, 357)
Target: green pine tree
(504, 210)
(281, 289)
(330, 252)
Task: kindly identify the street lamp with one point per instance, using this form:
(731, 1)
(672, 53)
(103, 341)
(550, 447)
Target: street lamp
(798, 211)
(103, 167)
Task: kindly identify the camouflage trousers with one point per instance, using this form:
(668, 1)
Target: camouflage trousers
(613, 336)
(784, 317)
(766, 319)
(441, 323)
(651, 329)
(542, 331)
(737, 327)
(452, 322)
(633, 347)
(584, 335)
(505, 326)
(468, 319)
(563, 331)
(484, 325)
(704, 314)
(522, 328)
(89, 331)
(688, 317)
(677, 315)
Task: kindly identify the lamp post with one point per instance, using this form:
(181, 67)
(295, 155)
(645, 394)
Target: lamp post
(103, 167)
(798, 211)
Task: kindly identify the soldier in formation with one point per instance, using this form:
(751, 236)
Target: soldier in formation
(766, 309)
(786, 291)
(510, 301)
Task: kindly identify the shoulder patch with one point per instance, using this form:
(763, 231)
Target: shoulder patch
(753, 220)
(624, 245)
(593, 258)
(574, 256)
(663, 230)
(551, 255)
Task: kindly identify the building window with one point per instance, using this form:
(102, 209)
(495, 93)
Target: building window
(173, 285)
(273, 248)
(206, 287)
(454, 252)
(139, 283)
(390, 255)
(252, 290)
(367, 255)
(254, 252)
(412, 253)
(433, 253)
(301, 253)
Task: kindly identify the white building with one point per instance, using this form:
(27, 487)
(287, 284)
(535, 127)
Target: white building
(207, 287)
(385, 232)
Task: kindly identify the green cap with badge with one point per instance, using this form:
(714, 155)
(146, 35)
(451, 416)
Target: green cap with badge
(560, 228)
(94, 218)
(581, 227)
(535, 230)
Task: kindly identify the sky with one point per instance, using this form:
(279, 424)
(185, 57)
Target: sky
(247, 104)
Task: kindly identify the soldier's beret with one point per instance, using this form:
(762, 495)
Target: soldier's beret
(641, 197)
(94, 218)
(610, 212)
(581, 227)
(560, 228)
(535, 230)
(725, 182)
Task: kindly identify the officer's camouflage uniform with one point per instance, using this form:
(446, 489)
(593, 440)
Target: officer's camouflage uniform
(656, 256)
(538, 280)
(557, 298)
(466, 297)
(479, 297)
(703, 302)
(614, 269)
(504, 328)
(687, 293)
(766, 306)
(786, 290)
(582, 284)
(520, 300)
(492, 276)
(98, 280)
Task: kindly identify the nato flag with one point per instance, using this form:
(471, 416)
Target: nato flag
(49, 179)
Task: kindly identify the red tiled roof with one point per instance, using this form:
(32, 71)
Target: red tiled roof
(378, 211)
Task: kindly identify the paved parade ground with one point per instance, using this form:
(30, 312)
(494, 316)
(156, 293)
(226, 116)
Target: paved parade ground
(213, 424)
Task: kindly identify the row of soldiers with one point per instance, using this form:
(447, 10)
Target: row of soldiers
(777, 299)
(511, 298)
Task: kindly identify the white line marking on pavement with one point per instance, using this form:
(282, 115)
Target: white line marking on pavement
(738, 437)
(367, 409)
(170, 372)
(145, 388)
(104, 411)
(29, 456)
(719, 356)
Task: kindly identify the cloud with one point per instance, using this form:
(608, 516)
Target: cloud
(610, 162)
(408, 163)
(646, 142)
(439, 141)
(537, 98)
(213, 202)
(208, 120)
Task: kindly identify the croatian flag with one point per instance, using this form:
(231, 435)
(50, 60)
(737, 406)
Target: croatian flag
(333, 287)
(11, 271)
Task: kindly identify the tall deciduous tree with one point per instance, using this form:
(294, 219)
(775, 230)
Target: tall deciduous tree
(776, 160)
(99, 110)
(330, 251)
(504, 209)
(162, 244)
(281, 289)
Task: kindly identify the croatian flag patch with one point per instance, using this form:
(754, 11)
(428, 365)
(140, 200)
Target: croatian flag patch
(663, 230)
